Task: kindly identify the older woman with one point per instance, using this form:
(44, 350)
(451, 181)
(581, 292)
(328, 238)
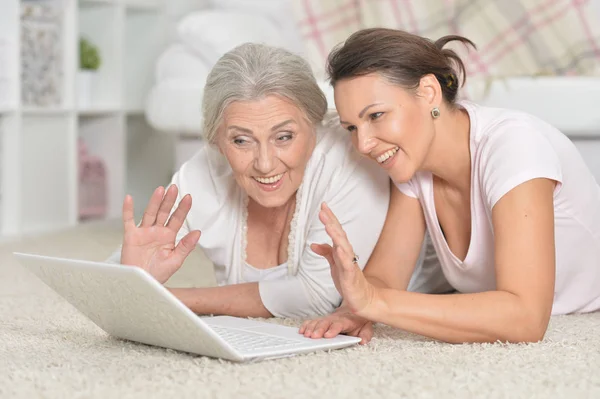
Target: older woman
(257, 186)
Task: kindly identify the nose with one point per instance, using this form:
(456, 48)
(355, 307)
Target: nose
(264, 159)
(365, 142)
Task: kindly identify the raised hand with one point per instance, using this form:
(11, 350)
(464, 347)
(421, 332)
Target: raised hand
(349, 280)
(151, 245)
(342, 321)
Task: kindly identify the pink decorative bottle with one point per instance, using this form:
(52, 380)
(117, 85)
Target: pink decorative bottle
(93, 196)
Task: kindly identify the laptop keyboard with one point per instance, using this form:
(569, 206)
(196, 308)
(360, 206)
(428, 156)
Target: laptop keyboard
(247, 341)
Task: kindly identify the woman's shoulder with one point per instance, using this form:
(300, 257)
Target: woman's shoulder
(333, 140)
(336, 163)
(333, 154)
(492, 123)
(334, 147)
(207, 177)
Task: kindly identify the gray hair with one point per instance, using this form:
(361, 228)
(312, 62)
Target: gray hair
(252, 71)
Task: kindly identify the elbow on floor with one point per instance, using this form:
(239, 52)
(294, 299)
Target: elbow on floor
(528, 331)
(524, 331)
(531, 337)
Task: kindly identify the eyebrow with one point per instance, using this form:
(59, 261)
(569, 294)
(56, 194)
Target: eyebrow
(362, 113)
(282, 124)
(248, 131)
(243, 129)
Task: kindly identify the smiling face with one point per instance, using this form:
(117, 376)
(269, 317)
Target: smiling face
(388, 123)
(268, 143)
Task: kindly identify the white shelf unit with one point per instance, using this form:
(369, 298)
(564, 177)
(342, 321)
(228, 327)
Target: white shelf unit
(39, 184)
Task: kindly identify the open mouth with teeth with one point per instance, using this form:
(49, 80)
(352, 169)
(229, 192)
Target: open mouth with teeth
(269, 183)
(387, 156)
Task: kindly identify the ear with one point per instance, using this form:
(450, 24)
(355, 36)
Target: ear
(430, 90)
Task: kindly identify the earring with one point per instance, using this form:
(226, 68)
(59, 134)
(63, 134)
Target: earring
(435, 113)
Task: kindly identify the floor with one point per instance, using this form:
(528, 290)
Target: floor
(49, 350)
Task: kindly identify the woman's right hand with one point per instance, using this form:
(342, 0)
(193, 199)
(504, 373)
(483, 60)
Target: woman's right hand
(151, 245)
(340, 321)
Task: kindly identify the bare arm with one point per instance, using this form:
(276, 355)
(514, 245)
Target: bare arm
(241, 300)
(390, 266)
(393, 260)
(361, 196)
(519, 310)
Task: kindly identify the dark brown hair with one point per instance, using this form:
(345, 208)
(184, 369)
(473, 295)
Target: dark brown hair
(401, 57)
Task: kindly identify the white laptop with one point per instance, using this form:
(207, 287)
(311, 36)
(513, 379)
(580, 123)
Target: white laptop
(128, 303)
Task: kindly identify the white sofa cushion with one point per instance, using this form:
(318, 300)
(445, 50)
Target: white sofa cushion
(175, 106)
(280, 12)
(211, 33)
(178, 62)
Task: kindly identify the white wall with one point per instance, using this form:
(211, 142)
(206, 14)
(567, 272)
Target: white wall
(151, 155)
(595, 7)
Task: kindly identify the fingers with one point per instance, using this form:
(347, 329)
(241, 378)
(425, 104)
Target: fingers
(303, 326)
(178, 217)
(327, 327)
(325, 251)
(316, 328)
(366, 333)
(334, 329)
(186, 245)
(335, 230)
(308, 325)
(327, 210)
(321, 249)
(321, 327)
(149, 217)
(167, 204)
(343, 257)
(128, 215)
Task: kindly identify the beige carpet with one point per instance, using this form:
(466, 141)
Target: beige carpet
(49, 350)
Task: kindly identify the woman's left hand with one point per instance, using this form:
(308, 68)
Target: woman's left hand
(348, 278)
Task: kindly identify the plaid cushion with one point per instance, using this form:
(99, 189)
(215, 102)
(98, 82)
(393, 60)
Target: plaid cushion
(513, 37)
